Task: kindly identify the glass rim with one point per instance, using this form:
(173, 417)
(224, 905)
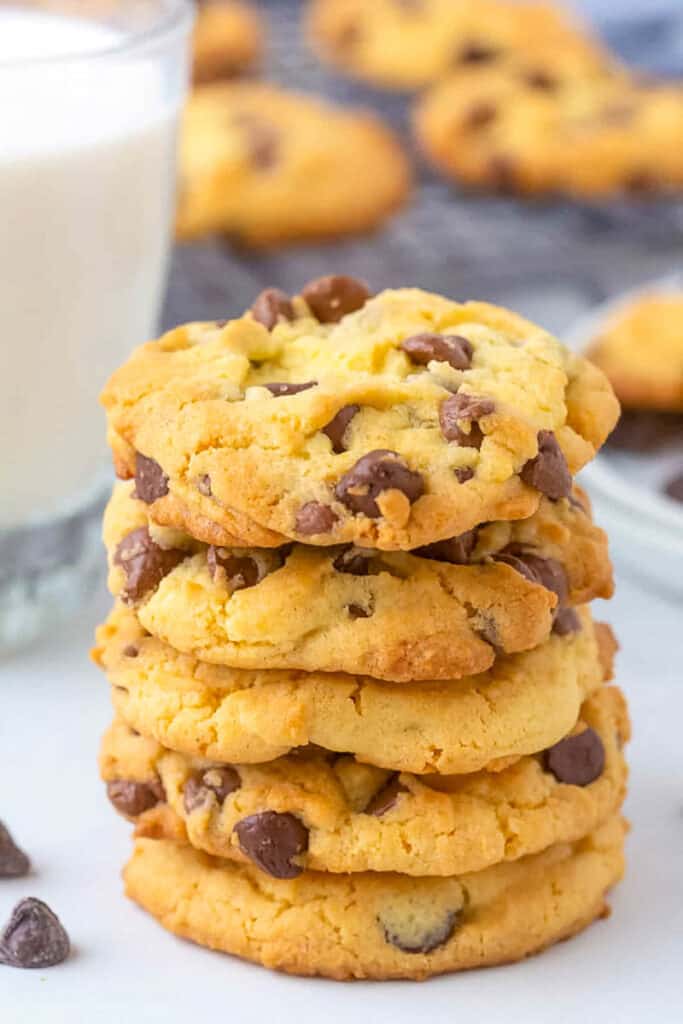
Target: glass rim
(177, 20)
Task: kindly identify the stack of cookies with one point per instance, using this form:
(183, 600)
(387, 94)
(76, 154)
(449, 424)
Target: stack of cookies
(362, 720)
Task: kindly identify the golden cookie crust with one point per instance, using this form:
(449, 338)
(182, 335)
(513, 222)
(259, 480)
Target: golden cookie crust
(640, 349)
(407, 44)
(227, 40)
(376, 925)
(524, 704)
(267, 459)
(586, 136)
(267, 166)
(400, 617)
(362, 818)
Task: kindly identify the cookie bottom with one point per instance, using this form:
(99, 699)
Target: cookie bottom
(378, 926)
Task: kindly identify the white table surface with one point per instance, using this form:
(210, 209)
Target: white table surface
(125, 968)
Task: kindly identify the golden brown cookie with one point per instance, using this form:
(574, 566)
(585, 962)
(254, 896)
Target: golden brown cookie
(266, 166)
(371, 925)
(389, 422)
(228, 39)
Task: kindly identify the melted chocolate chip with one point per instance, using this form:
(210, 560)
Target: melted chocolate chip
(548, 471)
(271, 840)
(546, 571)
(674, 488)
(443, 348)
(357, 612)
(456, 550)
(577, 760)
(336, 428)
(221, 781)
(314, 517)
(34, 937)
(479, 116)
(133, 798)
(271, 306)
(13, 861)
(144, 563)
(353, 562)
(373, 474)
(331, 298)
(204, 485)
(385, 798)
(280, 388)
(151, 482)
(567, 621)
(464, 407)
(238, 572)
(429, 940)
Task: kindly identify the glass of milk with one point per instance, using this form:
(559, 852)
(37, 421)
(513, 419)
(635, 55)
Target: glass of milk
(90, 94)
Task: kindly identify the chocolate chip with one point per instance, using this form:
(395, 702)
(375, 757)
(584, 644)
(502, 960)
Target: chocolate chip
(238, 572)
(263, 140)
(577, 760)
(674, 488)
(464, 407)
(540, 79)
(548, 471)
(479, 116)
(357, 612)
(13, 862)
(353, 562)
(204, 485)
(331, 298)
(313, 518)
(476, 53)
(463, 474)
(220, 324)
(271, 306)
(502, 174)
(640, 183)
(271, 840)
(348, 36)
(144, 563)
(133, 798)
(566, 622)
(280, 388)
(221, 781)
(429, 940)
(151, 482)
(336, 428)
(547, 572)
(373, 474)
(456, 550)
(443, 348)
(385, 798)
(130, 651)
(34, 937)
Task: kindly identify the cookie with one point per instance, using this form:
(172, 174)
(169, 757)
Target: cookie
(524, 704)
(355, 817)
(391, 615)
(641, 350)
(227, 39)
(505, 130)
(390, 422)
(266, 167)
(407, 44)
(371, 925)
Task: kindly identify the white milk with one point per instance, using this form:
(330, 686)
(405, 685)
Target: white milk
(87, 154)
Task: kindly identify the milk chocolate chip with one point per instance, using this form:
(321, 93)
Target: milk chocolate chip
(271, 840)
(548, 471)
(577, 760)
(373, 474)
(151, 482)
(34, 937)
(13, 861)
(221, 781)
(464, 407)
(567, 621)
(479, 116)
(144, 563)
(236, 571)
(281, 388)
(133, 798)
(546, 571)
(271, 306)
(336, 428)
(353, 562)
(456, 550)
(313, 518)
(415, 940)
(385, 798)
(476, 53)
(331, 298)
(443, 348)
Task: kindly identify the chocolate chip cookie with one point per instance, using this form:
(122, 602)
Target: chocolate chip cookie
(228, 39)
(373, 925)
(334, 417)
(266, 167)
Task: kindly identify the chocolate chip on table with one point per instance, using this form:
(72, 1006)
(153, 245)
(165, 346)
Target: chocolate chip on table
(428, 940)
(271, 840)
(331, 298)
(13, 861)
(374, 473)
(577, 760)
(281, 388)
(464, 407)
(443, 348)
(133, 798)
(674, 488)
(385, 798)
(237, 571)
(314, 517)
(151, 483)
(34, 937)
(271, 306)
(337, 426)
(567, 621)
(144, 562)
(204, 485)
(480, 115)
(548, 472)
(456, 550)
(221, 781)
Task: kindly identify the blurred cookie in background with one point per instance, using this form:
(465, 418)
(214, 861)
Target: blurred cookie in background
(267, 166)
(408, 44)
(533, 129)
(228, 39)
